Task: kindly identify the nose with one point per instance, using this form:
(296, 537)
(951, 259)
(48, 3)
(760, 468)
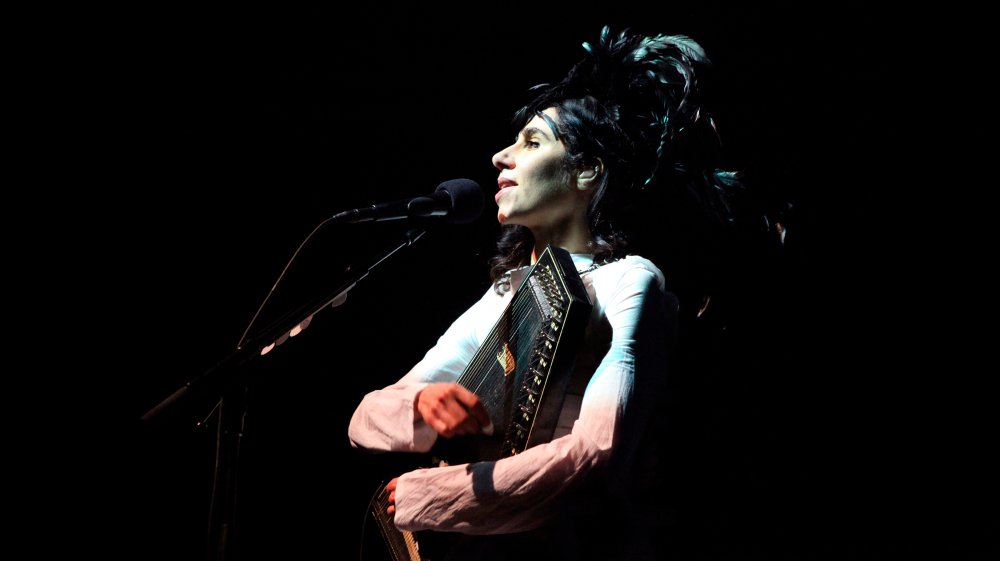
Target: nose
(502, 159)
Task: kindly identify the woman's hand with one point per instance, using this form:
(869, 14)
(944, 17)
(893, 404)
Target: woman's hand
(451, 409)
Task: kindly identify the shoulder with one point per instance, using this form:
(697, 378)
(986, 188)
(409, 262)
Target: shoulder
(632, 268)
(630, 286)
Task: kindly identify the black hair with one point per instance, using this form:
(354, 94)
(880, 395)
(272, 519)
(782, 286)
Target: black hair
(633, 106)
(590, 135)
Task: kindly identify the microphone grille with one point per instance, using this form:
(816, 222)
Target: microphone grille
(467, 200)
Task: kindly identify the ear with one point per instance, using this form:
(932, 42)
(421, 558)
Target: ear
(588, 175)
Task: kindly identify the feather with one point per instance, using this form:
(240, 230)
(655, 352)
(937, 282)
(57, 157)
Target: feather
(648, 85)
(687, 46)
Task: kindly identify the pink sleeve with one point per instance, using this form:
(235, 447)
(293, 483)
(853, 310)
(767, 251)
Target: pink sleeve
(385, 420)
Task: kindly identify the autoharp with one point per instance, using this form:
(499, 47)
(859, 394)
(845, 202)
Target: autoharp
(520, 373)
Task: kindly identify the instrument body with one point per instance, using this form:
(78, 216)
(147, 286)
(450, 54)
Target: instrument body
(520, 374)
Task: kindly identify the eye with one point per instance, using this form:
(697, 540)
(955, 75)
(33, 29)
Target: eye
(531, 143)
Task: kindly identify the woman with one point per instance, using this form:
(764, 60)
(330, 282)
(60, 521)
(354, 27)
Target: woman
(584, 149)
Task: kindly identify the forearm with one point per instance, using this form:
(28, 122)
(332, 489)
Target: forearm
(385, 420)
(514, 494)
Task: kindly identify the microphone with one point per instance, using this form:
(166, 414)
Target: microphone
(460, 201)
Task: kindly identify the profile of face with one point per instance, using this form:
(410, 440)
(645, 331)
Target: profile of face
(536, 188)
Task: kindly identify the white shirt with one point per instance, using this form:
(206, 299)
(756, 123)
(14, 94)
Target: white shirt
(622, 367)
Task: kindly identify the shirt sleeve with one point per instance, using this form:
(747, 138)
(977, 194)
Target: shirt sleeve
(522, 492)
(385, 420)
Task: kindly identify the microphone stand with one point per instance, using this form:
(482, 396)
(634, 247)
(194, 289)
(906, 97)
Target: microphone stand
(228, 380)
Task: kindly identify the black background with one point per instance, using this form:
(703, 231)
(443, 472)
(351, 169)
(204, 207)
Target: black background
(233, 133)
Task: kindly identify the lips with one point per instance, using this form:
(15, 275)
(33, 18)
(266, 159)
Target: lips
(500, 193)
(505, 185)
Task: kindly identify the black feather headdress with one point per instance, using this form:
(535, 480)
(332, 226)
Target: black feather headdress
(647, 84)
(632, 104)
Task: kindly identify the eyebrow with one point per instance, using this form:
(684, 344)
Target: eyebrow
(528, 131)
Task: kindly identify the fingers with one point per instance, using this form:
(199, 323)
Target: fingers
(391, 488)
(474, 407)
(461, 404)
(444, 416)
(469, 425)
(451, 409)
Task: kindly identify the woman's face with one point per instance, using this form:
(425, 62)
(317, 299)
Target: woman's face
(535, 186)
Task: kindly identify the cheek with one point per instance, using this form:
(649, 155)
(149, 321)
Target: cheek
(550, 175)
